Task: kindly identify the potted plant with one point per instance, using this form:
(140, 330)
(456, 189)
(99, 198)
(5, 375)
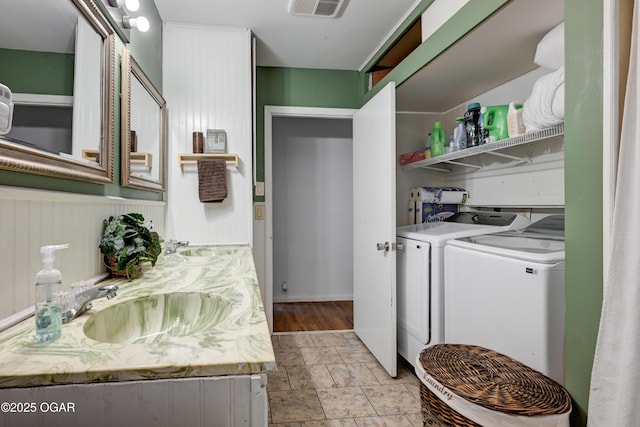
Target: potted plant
(126, 243)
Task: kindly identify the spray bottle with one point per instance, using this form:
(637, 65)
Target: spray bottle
(48, 310)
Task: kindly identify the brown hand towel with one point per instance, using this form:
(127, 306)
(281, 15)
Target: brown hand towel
(212, 180)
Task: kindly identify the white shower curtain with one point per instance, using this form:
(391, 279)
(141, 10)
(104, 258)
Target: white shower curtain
(614, 398)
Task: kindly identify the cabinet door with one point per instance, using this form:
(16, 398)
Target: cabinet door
(374, 224)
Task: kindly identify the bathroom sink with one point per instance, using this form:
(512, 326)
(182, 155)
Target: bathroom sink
(157, 318)
(206, 251)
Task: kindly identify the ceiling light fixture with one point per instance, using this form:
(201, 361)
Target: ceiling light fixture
(119, 12)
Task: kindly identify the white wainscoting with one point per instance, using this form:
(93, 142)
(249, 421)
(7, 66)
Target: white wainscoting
(30, 219)
(207, 84)
(214, 401)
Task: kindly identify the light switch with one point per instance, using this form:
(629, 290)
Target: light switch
(259, 188)
(259, 212)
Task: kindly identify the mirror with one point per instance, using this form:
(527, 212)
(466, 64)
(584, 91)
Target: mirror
(58, 59)
(144, 129)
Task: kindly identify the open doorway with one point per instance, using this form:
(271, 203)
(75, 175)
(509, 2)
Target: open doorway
(308, 183)
(313, 316)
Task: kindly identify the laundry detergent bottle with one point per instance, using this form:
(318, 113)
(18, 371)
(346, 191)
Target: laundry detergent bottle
(438, 140)
(495, 121)
(472, 123)
(460, 135)
(48, 309)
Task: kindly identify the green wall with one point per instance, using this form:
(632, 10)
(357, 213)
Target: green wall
(301, 87)
(146, 48)
(26, 71)
(55, 71)
(583, 194)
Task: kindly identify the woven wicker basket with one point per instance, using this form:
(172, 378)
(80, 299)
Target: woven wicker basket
(489, 379)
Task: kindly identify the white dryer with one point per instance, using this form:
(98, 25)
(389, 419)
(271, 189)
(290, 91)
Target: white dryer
(505, 292)
(420, 273)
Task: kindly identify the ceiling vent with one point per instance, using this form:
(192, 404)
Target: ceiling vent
(318, 8)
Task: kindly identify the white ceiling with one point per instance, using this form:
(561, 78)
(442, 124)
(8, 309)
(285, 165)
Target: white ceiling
(283, 40)
(23, 28)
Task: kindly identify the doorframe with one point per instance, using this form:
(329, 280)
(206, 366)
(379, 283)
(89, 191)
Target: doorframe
(271, 111)
(610, 130)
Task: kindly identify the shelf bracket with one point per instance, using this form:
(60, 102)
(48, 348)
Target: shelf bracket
(435, 169)
(508, 156)
(463, 164)
(192, 159)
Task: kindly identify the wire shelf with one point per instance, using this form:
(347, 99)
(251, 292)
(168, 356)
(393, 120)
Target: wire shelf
(489, 148)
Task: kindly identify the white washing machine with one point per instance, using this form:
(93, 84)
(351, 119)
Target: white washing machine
(505, 292)
(420, 273)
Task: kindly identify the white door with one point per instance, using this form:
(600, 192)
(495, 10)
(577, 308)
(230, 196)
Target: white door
(374, 226)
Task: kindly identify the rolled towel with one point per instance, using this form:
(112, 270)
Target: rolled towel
(550, 49)
(6, 109)
(212, 180)
(5, 123)
(545, 105)
(557, 107)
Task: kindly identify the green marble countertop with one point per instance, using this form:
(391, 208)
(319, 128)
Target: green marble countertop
(239, 344)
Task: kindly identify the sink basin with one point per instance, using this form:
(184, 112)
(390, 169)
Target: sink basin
(206, 251)
(157, 318)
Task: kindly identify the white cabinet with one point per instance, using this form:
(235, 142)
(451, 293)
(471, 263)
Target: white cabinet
(214, 401)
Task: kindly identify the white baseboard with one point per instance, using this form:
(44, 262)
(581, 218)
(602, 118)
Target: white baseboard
(313, 298)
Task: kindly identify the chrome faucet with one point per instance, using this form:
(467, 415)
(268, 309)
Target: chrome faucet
(82, 301)
(174, 245)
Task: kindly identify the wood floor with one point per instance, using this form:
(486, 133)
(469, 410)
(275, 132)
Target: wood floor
(312, 316)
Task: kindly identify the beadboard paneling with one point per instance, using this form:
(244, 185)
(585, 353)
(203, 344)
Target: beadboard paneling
(234, 400)
(30, 219)
(207, 85)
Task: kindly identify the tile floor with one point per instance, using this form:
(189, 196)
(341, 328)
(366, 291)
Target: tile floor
(331, 379)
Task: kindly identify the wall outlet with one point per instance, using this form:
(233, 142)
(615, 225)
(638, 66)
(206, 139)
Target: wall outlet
(258, 212)
(259, 188)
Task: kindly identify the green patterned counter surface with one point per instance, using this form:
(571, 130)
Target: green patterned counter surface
(216, 321)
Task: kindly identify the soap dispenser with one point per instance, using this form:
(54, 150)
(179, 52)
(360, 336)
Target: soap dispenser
(48, 309)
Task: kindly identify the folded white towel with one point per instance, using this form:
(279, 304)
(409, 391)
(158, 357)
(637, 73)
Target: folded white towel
(545, 105)
(550, 50)
(557, 107)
